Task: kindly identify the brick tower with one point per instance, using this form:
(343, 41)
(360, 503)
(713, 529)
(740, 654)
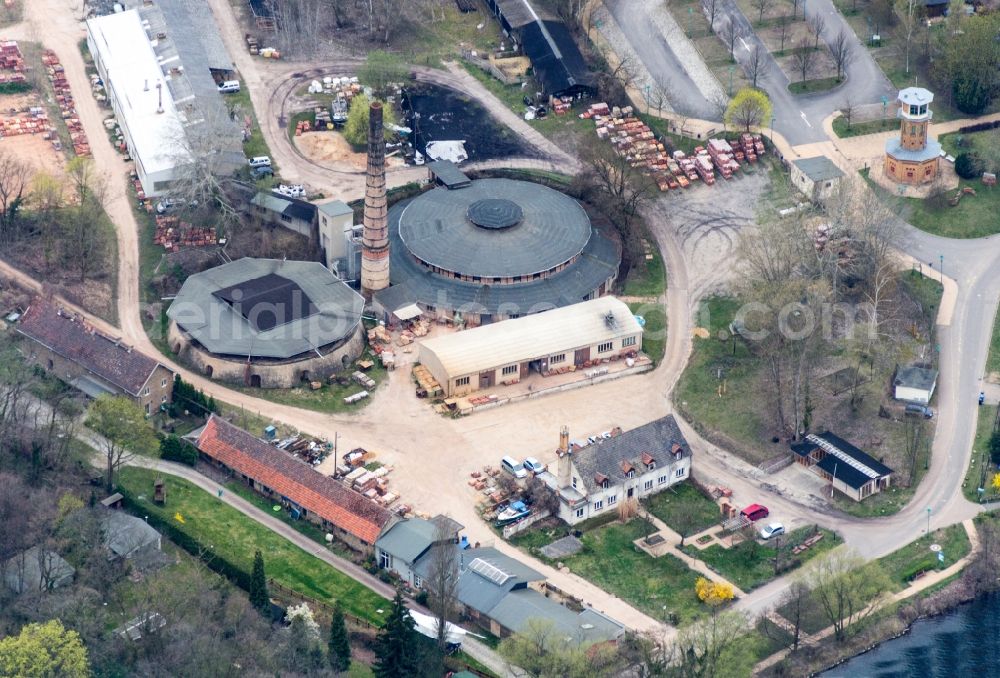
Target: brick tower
(375, 240)
(913, 158)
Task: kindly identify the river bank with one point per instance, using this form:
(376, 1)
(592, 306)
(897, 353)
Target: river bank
(893, 622)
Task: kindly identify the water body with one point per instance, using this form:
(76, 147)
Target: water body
(965, 642)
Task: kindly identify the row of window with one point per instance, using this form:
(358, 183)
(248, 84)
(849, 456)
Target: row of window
(510, 369)
(647, 485)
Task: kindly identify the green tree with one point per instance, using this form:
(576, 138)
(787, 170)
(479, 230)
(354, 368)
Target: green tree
(356, 127)
(846, 589)
(397, 652)
(711, 648)
(125, 432)
(173, 448)
(44, 651)
(994, 446)
(967, 66)
(339, 644)
(542, 651)
(380, 70)
(258, 585)
(749, 108)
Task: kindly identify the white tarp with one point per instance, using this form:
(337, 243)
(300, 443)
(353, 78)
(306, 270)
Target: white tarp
(447, 150)
(407, 312)
(427, 626)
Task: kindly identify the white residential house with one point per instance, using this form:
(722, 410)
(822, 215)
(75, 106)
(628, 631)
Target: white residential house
(595, 478)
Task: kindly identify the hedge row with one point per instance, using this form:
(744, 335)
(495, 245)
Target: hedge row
(234, 573)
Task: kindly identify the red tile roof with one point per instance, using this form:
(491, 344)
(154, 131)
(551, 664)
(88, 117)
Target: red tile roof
(73, 338)
(298, 481)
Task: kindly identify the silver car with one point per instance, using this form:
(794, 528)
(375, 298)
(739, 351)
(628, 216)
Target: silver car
(771, 530)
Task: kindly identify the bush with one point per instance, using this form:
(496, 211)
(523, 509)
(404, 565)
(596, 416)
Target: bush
(968, 166)
(421, 598)
(971, 95)
(173, 448)
(994, 446)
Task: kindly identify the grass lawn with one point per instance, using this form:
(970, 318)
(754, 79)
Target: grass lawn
(973, 217)
(815, 85)
(236, 537)
(980, 458)
(697, 393)
(255, 145)
(749, 567)
(993, 357)
(659, 587)
(857, 129)
(675, 503)
(903, 564)
(654, 337)
(648, 278)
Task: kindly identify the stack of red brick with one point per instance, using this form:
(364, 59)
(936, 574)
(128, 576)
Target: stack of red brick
(173, 234)
(64, 98)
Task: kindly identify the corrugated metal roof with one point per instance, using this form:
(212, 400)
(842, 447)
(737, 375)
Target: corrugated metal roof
(408, 539)
(819, 168)
(517, 608)
(531, 337)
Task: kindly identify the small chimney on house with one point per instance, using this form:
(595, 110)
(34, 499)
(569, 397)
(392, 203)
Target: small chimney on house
(564, 473)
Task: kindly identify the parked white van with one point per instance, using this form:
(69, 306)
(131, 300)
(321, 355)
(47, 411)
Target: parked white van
(260, 161)
(513, 467)
(230, 87)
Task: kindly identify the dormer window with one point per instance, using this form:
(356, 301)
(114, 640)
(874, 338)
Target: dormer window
(630, 474)
(601, 480)
(677, 451)
(648, 460)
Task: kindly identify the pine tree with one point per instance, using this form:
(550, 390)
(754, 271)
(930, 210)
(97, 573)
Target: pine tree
(258, 586)
(339, 645)
(397, 653)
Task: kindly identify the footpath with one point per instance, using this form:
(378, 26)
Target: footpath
(913, 589)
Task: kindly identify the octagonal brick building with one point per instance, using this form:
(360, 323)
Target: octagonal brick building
(493, 249)
(913, 158)
(266, 322)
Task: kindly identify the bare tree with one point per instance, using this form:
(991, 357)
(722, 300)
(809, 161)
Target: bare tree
(84, 220)
(793, 607)
(756, 65)
(842, 51)
(711, 9)
(803, 58)
(728, 32)
(908, 12)
(795, 8)
(817, 24)
(848, 110)
(761, 6)
(442, 580)
(14, 177)
(658, 99)
(783, 27)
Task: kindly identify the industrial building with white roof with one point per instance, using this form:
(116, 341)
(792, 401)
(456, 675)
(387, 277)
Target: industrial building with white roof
(156, 63)
(506, 352)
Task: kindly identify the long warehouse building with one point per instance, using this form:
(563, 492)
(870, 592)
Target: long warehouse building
(508, 351)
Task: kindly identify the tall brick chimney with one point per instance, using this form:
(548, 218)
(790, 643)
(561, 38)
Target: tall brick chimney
(375, 240)
(564, 472)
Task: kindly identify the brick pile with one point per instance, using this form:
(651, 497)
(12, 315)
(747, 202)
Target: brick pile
(11, 62)
(64, 99)
(173, 234)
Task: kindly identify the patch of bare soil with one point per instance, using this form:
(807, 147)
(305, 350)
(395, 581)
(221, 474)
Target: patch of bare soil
(331, 150)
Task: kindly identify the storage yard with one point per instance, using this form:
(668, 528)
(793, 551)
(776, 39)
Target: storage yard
(633, 138)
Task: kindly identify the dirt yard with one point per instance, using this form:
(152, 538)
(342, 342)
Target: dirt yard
(36, 152)
(331, 150)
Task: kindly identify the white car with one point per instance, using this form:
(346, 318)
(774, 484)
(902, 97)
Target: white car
(533, 465)
(772, 530)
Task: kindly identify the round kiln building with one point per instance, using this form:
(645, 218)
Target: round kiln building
(493, 249)
(265, 322)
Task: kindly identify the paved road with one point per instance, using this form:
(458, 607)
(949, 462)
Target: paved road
(660, 60)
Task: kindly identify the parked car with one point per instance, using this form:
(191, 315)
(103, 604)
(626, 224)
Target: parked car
(533, 465)
(262, 171)
(166, 205)
(513, 467)
(259, 161)
(755, 512)
(915, 410)
(230, 87)
(771, 530)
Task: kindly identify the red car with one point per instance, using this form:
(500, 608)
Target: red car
(755, 512)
